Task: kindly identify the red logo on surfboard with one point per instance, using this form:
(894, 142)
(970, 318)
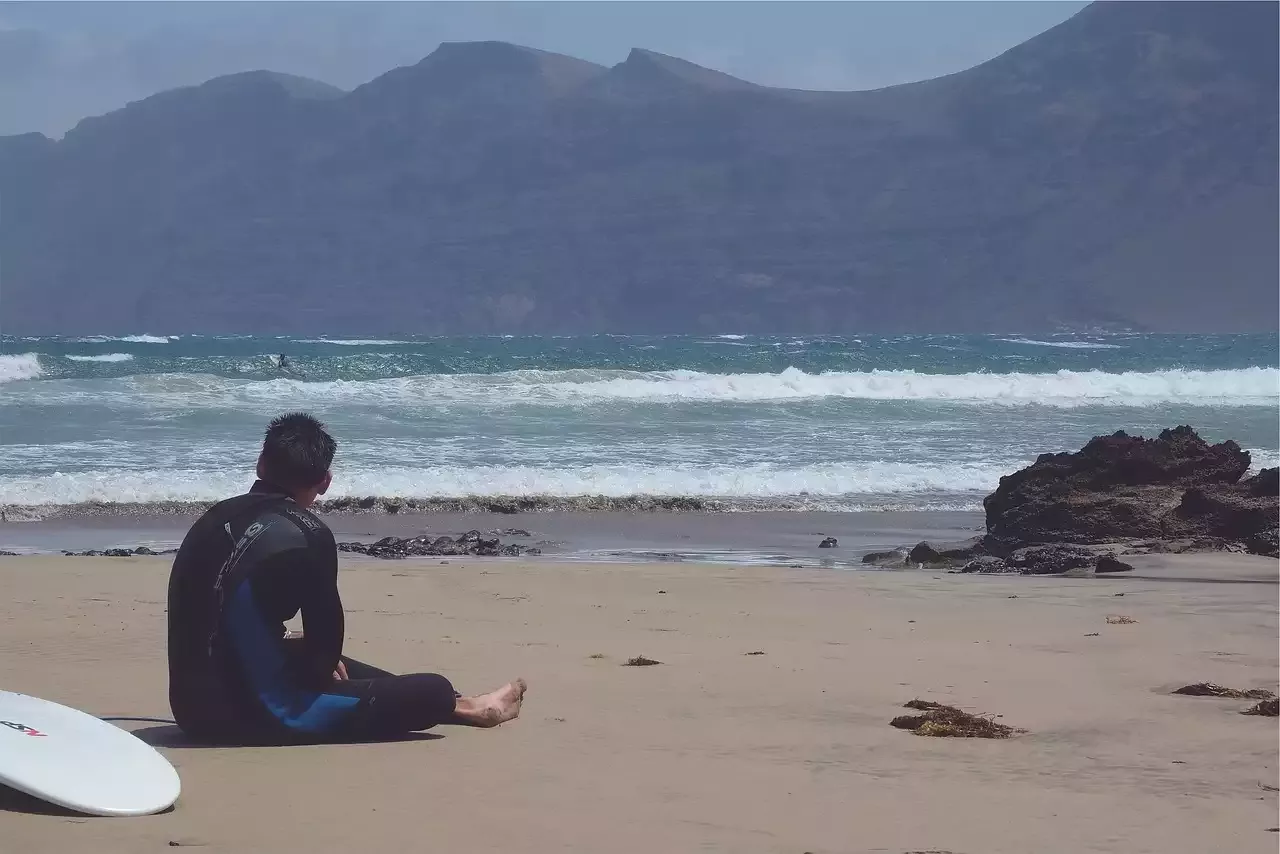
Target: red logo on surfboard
(23, 728)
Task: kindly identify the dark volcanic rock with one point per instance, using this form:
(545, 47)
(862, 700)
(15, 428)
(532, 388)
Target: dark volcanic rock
(1172, 494)
(923, 553)
(987, 565)
(1264, 543)
(897, 557)
(1232, 512)
(828, 543)
(1124, 487)
(1109, 563)
(1052, 559)
(1046, 560)
(1265, 482)
(928, 553)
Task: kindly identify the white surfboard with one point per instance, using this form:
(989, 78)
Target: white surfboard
(70, 758)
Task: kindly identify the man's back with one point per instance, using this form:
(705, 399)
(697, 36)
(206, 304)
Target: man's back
(250, 564)
(245, 567)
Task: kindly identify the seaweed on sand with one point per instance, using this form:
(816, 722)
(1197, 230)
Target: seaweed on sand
(1211, 689)
(941, 721)
(640, 661)
(1120, 620)
(1266, 708)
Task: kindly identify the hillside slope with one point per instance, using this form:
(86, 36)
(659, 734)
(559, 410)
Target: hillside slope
(1120, 170)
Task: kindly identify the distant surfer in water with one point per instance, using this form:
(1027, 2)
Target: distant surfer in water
(284, 366)
(251, 563)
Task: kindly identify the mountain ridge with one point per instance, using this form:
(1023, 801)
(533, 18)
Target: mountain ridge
(1117, 171)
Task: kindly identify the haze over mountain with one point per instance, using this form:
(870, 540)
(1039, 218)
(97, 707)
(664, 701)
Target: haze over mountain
(1119, 170)
(62, 61)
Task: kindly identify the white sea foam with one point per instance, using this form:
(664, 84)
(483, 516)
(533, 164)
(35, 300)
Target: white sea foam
(860, 485)
(1263, 458)
(1065, 345)
(23, 366)
(128, 339)
(1240, 387)
(355, 342)
(844, 486)
(105, 357)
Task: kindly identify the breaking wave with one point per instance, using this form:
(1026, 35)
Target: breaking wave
(1064, 345)
(1240, 387)
(846, 486)
(23, 366)
(128, 339)
(352, 342)
(106, 357)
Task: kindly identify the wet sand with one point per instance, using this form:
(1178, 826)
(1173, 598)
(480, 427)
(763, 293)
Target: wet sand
(714, 749)
(763, 538)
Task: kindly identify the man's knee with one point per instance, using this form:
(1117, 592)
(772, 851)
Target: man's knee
(415, 701)
(435, 692)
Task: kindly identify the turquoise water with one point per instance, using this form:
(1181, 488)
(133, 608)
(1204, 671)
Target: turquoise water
(840, 423)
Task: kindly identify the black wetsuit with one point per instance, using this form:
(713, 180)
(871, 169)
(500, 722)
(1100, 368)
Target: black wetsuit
(248, 565)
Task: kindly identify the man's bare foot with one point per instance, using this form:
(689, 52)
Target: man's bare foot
(496, 707)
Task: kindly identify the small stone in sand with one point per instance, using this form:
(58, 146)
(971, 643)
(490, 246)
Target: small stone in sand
(756, 652)
(1120, 620)
(640, 661)
(596, 655)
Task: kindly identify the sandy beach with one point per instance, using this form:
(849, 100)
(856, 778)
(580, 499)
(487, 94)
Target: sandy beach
(716, 749)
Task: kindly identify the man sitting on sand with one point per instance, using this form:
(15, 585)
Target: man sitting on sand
(249, 564)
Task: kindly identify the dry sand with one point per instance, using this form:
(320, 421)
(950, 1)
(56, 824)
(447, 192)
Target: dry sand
(714, 750)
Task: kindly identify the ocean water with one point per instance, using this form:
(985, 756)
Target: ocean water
(755, 422)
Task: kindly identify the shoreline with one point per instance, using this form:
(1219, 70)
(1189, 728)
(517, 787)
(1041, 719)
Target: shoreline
(515, 505)
(760, 538)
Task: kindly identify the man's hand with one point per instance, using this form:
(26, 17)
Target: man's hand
(340, 674)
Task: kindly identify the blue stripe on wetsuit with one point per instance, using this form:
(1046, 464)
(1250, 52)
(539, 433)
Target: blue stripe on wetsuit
(265, 665)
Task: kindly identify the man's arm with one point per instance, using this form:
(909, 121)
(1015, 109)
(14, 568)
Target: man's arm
(322, 618)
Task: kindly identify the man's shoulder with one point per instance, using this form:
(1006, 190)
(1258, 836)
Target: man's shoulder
(310, 523)
(311, 526)
(255, 507)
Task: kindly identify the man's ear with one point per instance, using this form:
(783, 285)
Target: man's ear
(326, 483)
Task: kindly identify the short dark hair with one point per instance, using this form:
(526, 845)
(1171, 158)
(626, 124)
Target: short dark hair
(297, 452)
